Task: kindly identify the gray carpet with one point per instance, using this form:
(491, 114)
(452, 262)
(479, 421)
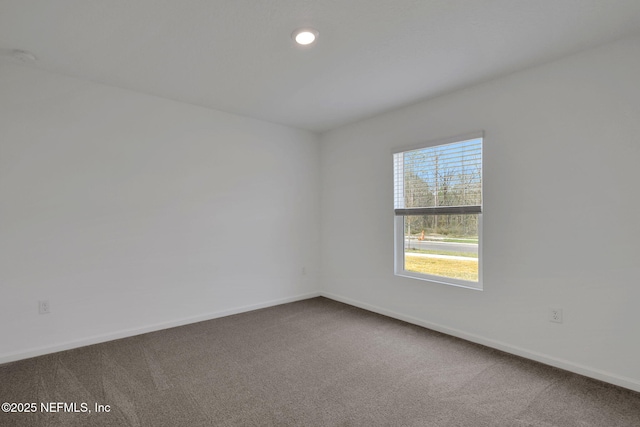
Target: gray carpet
(310, 363)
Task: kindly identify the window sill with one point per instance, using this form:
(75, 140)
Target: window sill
(476, 286)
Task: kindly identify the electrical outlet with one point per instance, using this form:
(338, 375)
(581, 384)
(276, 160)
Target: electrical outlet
(44, 307)
(555, 315)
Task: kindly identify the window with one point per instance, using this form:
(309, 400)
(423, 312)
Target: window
(438, 211)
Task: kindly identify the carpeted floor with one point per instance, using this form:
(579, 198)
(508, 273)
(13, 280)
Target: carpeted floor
(310, 363)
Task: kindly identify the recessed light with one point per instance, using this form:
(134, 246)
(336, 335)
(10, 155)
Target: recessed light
(305, 36)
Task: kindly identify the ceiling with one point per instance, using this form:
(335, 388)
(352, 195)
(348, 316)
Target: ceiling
(371, 55)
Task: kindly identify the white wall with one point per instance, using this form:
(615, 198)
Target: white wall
(129, 212)
(561, 204)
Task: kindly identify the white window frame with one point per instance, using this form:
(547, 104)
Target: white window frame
(399, 243)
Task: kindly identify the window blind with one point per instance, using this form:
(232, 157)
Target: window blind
(439, 180)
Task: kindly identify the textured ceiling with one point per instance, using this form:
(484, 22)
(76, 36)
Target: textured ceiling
(371, 56)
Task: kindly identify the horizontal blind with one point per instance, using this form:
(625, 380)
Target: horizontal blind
(439, 180)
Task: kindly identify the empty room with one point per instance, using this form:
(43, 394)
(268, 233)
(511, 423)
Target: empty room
(320, 213)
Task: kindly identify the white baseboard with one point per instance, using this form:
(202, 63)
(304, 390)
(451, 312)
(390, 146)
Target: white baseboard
(39, 351)
(567, 365)
(508, 348)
